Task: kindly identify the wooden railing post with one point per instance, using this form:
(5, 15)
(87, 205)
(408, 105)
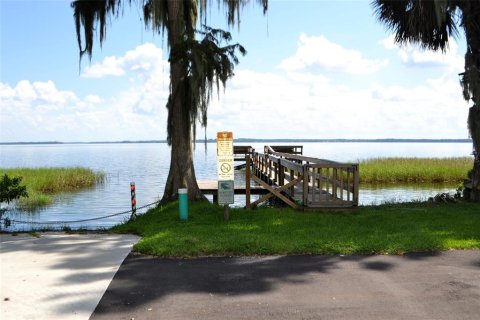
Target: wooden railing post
(356, 183)
(269, 171)
(247, 181)
(281, 174)
(349, 187)
(292, 188)
(305, 186)
(275, 172)
(334, 187)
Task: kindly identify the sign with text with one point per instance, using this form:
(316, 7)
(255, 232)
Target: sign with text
(225, 156)
(225, 167)
(225, 143)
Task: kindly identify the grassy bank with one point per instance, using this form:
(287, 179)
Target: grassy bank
(415, 170)
(42, 183)
(383, 229)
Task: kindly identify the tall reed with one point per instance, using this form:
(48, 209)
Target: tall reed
(415, 170)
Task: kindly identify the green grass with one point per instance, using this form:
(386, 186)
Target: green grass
(42, 183)
(415, 170)
(382, 229)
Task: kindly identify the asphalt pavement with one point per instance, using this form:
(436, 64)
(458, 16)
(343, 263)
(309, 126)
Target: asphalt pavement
(443, 285)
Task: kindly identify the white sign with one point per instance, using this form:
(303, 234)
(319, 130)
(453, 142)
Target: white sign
(224, 147)
(225, 156)
(225, 167)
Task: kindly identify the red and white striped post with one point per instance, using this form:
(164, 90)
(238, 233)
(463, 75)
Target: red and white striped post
(134, 201)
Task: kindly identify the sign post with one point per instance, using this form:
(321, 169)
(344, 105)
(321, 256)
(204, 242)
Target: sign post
(225, 170)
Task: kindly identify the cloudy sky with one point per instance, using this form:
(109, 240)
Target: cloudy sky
(314, 69)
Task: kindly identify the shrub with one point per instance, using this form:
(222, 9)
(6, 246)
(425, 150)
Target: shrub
(10, 189)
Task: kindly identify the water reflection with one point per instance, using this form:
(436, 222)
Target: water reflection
(378, 194)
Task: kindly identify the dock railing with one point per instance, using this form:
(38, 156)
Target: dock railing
(299, 180)
(239, 152)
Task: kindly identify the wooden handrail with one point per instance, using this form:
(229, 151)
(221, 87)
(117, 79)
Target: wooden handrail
(300, 157)
(318, 182)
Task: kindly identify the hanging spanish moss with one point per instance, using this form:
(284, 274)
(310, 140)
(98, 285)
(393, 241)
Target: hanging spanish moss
(208, 65)
(197, 67)
(93, 15)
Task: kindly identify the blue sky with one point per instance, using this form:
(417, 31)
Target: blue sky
(314, 69)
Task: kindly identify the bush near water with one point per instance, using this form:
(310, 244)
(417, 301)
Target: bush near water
(11, 189)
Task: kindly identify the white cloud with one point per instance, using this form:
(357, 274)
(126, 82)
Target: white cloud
(93, 99)
(294, 104)
(143, 59)
(411, 54)
(282, 106)
(317, 52)
(39, 111)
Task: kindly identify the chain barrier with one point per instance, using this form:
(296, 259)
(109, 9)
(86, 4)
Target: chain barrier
(7, 221)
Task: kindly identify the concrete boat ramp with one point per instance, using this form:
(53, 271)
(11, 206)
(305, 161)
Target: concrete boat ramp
(57, 275)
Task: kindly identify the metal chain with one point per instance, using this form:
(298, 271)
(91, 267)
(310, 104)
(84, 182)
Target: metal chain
(3, 220)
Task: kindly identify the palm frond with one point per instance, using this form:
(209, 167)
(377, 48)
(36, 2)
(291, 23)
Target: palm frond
(470, 21)
(429, 23)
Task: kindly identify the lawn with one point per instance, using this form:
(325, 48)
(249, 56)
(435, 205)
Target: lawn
(393, 229)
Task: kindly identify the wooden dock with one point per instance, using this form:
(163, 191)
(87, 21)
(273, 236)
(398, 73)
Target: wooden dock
(300, 182)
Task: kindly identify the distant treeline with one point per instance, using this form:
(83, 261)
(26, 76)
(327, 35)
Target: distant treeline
(253, 140)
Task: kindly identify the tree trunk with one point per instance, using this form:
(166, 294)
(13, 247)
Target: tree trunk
(473, 191)
(182, 172)
(471, 16)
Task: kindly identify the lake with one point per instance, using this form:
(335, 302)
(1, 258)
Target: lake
(147, 165)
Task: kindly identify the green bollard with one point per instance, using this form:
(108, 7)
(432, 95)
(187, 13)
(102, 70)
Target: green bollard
(183, 204)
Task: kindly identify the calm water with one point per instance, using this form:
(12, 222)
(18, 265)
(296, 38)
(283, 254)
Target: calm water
(147, 165)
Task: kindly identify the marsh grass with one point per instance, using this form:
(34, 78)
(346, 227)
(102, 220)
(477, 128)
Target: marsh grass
(381, 229)
(415, 170)
(43, 183)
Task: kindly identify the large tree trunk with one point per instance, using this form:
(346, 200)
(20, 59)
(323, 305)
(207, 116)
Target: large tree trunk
(473, 189)
(182, 172)
(471, 17)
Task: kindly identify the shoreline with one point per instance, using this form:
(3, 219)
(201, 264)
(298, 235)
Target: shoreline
(249, 140)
